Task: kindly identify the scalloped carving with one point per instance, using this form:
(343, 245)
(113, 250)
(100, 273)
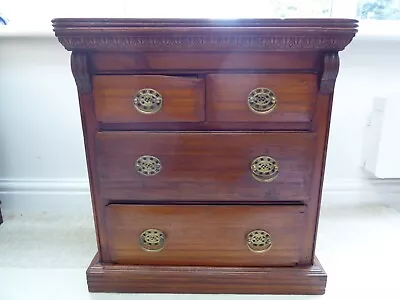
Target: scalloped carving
(329, 73)
(80, 70)
(209, 42)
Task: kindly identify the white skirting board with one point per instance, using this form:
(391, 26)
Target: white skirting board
(65, 196)
(72, 197)
(361, 192)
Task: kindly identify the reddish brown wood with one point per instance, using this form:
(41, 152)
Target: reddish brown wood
(206, 280)
(267, 24)
(81, 72)
(204, 166)
(219, 241)
(208, 126)
(183, 98)
(329, 73)
(199, 62)
(205, 135)
(321, 125)
(158, 35)
(227, 97)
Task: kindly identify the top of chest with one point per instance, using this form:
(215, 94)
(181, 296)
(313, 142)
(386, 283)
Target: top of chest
(154, 35)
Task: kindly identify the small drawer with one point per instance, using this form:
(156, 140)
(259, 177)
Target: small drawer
(148, 98)
(204, 235)
(272, 98)
(216, 166)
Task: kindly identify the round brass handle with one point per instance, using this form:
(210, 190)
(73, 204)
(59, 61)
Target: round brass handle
(261, 100)
(152, 240)
(148, 101)
(264, 169)
(259, 241)
(148, 165)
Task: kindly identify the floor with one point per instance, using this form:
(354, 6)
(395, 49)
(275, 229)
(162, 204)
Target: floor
(45, 257)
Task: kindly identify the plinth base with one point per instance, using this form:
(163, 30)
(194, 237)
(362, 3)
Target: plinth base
(206, 280)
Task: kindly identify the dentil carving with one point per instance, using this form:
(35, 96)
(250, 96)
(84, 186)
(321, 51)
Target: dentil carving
(195, 43)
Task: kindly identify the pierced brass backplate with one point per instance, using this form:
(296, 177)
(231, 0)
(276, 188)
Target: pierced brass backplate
(264, 168)
(152, 240)
(261, 100)
(148, 165)
(148, 101)
(259, 241)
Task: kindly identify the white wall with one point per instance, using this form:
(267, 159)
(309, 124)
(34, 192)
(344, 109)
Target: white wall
(42, 154)
(40, 131)
(369, 68)
(42, 161)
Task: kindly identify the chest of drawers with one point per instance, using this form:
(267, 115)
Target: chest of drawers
(205, 144)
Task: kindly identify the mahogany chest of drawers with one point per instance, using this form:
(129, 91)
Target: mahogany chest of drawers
(205, 144)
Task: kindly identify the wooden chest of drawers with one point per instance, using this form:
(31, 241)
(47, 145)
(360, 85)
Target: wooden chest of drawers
(205, 144)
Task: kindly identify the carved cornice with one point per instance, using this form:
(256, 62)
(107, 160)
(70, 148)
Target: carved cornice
(80, 70)
(204, 43)
(205, 35)
(329, 73)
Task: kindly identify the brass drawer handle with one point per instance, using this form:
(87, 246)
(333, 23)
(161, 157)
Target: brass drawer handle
(148, 101)
(261, 100)
(264, 169)
(259, 241)
(152, 240)
(148, 165)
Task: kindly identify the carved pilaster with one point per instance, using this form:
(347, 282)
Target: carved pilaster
(80, 70)
(330, 70)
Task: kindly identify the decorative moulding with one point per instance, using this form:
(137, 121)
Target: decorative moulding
(203, 43)
(79, 67)
(172, 35)
(329, 72)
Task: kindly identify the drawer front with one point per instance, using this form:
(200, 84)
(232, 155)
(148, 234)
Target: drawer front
(205, 166)
(204, 235)
(275, 98)
(148, 98)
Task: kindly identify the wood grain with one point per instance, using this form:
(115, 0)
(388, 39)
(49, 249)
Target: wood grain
(81, 71)
(329, 73)
(183, 98)
(181, 35)
(227, 96)
(205, 136)
(104, 62)
(206, 280)
(219, 241)
(204, 166)
(321, 126)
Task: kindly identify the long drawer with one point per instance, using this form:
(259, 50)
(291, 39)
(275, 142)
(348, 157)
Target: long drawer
(204, 235)
(187, 166)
